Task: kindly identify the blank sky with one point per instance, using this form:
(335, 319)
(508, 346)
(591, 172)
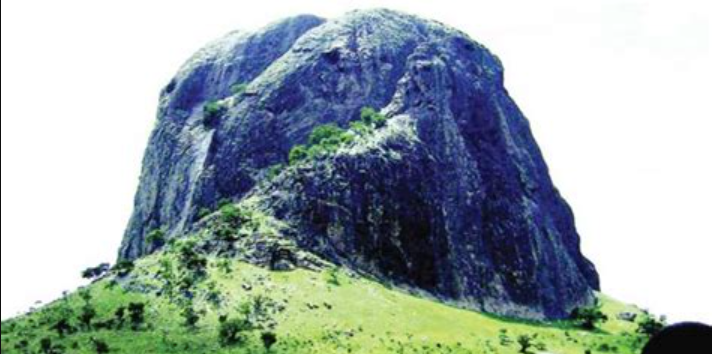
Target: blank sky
(617, 91)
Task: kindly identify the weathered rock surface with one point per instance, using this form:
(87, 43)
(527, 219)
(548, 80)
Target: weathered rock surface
(452, 197)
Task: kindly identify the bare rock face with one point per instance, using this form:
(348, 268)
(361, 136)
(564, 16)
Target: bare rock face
(452, 197)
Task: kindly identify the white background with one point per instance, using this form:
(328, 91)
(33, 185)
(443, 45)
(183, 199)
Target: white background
(617, 91)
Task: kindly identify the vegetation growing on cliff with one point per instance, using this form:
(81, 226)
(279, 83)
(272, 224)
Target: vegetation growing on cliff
(238, 89)
(212, 111)
(326, 139)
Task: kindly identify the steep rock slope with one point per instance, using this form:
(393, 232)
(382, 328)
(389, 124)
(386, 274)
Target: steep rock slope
(452, 197)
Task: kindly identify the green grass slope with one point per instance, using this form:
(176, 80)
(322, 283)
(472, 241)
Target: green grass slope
(321, 312)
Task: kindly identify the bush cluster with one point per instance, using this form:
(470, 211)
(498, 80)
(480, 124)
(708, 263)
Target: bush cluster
(257, 314)
(238, 89)
(96, 272)
(232, 331)
(124, 267)
(191, 259)
(650, 325)
(326, 139)
(156, 238)
(137, 315)
(212, 111)
(589, 317)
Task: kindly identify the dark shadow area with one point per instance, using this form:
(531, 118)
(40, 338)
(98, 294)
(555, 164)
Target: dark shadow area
(687, 338)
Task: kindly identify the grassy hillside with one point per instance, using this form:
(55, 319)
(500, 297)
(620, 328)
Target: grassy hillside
(305, 311)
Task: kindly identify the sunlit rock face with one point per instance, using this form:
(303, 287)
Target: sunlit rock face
(452, 197)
